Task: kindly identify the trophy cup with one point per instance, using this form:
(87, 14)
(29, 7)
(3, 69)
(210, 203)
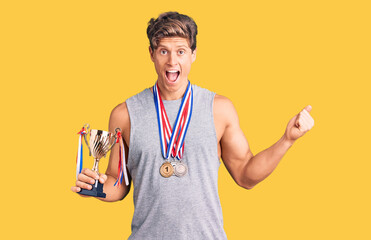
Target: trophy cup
(100, 143)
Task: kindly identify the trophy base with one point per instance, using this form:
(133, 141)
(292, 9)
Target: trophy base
(96, 191)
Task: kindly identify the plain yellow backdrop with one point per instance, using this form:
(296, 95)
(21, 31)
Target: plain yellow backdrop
(65, 63)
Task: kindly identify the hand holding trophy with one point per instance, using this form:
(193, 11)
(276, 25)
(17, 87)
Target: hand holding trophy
(99, 144)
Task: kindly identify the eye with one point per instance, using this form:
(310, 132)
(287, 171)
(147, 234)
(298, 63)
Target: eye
(163, 52)
(181, 52)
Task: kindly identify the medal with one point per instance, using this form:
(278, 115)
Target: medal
(166, 170)
(180, 169)
(172, 140)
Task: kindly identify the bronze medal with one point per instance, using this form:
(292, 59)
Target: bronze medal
(166, 170)
(180, 169)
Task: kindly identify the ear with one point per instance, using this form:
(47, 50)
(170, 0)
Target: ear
(151, 53)
(194, 55)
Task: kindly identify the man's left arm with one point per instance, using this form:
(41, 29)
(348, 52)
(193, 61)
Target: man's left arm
(246, 169)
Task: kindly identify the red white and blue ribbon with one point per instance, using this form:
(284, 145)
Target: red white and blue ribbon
(122, 163)
(79, 152)
(172, 140)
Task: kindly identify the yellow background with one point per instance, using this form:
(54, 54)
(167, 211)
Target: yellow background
(65, 63)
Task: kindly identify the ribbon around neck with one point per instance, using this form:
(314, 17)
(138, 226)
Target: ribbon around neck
(172, 140)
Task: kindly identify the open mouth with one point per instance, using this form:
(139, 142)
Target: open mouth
(172, 75)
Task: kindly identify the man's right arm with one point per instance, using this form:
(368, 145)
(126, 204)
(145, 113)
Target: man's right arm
(119, 118)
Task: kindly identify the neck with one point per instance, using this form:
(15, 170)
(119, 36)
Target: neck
(172, 94)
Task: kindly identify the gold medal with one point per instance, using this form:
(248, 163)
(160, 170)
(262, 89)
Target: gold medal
(166, 170)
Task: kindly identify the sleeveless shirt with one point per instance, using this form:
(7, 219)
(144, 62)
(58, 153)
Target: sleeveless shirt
(176, 208)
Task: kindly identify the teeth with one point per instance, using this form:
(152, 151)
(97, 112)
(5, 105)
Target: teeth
(172, 71)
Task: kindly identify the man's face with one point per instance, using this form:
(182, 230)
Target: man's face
(173, 59)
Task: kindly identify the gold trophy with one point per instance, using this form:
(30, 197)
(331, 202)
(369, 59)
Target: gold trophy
(100, 143)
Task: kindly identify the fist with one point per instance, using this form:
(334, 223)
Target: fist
(86, 179)
(299, 124)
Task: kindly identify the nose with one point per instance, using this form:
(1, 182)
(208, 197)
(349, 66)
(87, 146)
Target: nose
(172, 60)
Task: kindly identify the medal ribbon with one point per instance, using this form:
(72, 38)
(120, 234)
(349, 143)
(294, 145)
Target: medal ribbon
(172, 140)
(121, 170)
(79, 152)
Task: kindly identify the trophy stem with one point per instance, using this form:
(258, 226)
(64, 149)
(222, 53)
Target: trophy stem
(96, 165)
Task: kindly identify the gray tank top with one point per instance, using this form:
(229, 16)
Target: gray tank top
(174, 208)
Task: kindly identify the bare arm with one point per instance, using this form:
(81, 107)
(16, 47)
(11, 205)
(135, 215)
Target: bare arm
(119, 118)
(246, 169)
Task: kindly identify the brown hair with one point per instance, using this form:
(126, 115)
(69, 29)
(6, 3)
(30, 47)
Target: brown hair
(172, 24)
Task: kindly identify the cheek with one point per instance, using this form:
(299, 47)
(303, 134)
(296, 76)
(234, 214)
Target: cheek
(158, 66)
(186, 67)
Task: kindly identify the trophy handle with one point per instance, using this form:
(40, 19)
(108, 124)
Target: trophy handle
(117, 131)
(87, 126)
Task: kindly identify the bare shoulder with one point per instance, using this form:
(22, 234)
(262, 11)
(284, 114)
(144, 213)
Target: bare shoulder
(120, 111)
(224, 110)
(225, 115)
(221, 99)
(120, 117)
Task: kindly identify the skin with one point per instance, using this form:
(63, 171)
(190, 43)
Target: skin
(246, 169)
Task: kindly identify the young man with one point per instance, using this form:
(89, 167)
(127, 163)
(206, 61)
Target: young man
(175, 184)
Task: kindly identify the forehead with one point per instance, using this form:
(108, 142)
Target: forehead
(173, 42)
